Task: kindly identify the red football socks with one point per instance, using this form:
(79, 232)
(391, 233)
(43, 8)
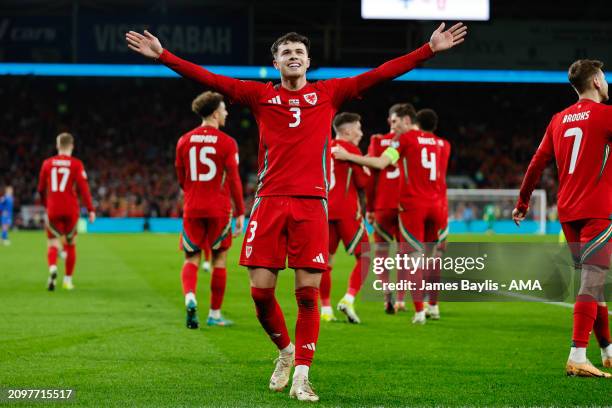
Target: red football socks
(601, 327)
(307, 326)
(325, 287)
(52, 256)
(356, 278)
(585, 313)
(217, 287)
(70, 258)
(271, 316)
(189, 277)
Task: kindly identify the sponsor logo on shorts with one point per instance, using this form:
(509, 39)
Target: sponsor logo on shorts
(248, 250)
(319, 258)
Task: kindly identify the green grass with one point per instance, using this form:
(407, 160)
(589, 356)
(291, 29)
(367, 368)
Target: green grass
(119, 340)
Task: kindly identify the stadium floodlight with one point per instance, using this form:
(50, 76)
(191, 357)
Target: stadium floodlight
(439, 10)
(490, 210)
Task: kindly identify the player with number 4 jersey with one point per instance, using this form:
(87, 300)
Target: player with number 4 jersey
(207, 171)
(579, 138)
(62, 179)
(417, 154)
(288, 223)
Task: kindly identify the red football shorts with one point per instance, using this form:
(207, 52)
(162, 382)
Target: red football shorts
(62, 225)
(420, 224)
(211, 232)
(281, 228)
(386, 225)
(590, 240)
(351, 231)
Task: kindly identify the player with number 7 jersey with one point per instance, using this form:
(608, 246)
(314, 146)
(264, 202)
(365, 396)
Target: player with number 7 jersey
(62, 178)
(288, 223)
(579, 138)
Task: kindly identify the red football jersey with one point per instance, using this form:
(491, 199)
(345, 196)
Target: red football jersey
(346, 179)
(61, 179)
(384, 186)
(295, 126)
(207, 169)
(420, 154)
(580, 139)
(445, 152)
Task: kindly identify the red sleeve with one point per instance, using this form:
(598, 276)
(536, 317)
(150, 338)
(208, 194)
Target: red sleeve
(81, 179)
(361, 175)
(245, 92)
(349, 88)
(233, 177)
(540, 160)
(179, 165)
(371, 185)
(42, 184)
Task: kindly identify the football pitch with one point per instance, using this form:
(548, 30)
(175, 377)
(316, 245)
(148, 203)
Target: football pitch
(119, 339)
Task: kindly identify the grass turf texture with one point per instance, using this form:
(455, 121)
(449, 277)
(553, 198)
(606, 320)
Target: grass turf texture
(119, 339)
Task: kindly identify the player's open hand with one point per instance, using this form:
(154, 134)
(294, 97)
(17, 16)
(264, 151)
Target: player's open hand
(239, 226)
(518, 216)
(444, 40)
(145, 44)
(340, 153)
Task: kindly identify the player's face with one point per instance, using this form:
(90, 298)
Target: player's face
(399, 124)
(292, 60)
(601, 85)
(221, 114)
(352, 132)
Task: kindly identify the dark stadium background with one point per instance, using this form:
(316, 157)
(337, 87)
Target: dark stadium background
(126, 129)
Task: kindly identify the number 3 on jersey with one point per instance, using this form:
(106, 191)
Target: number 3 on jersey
(577, 133)
(297, 115)
(205, 160)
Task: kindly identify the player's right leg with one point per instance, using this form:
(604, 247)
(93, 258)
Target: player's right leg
(264, 252)
(594, 237)
(69, 245)
(6, 224)
(271, 318)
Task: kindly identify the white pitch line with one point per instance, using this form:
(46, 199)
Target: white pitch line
(537, 299)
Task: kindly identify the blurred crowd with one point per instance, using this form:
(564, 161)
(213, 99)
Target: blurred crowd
(126, 131)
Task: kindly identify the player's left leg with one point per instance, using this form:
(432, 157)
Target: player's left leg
(412, 230)
(192, 238)
(355, 238)
(434, 233)
(308, 244)
(327, 312)
(6, 225)
(594, 237)
(53, 230)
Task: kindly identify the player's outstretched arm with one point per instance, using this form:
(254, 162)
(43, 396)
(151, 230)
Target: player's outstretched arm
(374, 162)
(148, 45)
(441, 40)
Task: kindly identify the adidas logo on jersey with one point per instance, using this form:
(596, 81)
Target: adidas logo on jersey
(276, 100)
(319, 258)
(309, 346)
